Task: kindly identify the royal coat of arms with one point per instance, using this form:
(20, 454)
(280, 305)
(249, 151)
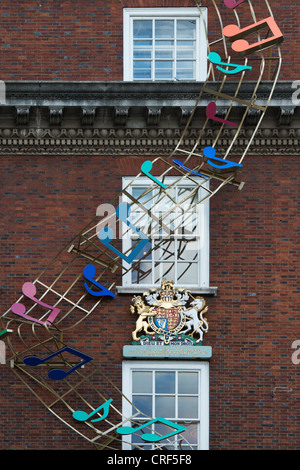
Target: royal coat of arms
(169, 316)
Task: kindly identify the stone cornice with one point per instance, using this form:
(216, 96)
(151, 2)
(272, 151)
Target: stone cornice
(128, 118)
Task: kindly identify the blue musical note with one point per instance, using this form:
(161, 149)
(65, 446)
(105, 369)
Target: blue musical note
(106, 234)
(210, 154)
(89, 273)
(146, 168)
(149, 437)
(58, 374)
(83, 416)
(215, 58)
(179, 163)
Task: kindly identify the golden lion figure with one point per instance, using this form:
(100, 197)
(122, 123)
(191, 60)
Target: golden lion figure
(143, 311)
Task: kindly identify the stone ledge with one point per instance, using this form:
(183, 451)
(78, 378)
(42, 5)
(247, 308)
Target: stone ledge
(167, 352)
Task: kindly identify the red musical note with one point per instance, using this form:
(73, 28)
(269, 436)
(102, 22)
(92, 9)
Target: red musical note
(233, 3)
(242, 47)
(211, 114)
(29, 290)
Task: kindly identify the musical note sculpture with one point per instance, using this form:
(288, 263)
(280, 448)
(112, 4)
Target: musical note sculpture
(233, 3)
(211, 114)
(106, 234)
(89, 273)
(242, 47)
(58, 374)
(179, 163)
(29, 290)
(215, 58)
(83, 416)
(210, 154)
(149, 437)
(146, 168)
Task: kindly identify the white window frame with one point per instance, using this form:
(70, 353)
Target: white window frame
(165, 13)
(203, 218)
(203, 412)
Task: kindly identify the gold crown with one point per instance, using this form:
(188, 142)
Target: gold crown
(167, 289)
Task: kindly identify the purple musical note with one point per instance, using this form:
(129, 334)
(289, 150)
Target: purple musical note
(211, 114)
(233, 3)
(29, 290)
(58, 374)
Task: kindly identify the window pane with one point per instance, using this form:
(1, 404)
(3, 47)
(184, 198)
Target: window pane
(186, 29)
(142, 74)
(185, 64)
(185, 53)
(164, 43)
(188, 250)
(164, 54)
(165, 251)
(142, 29)
(143, 43)
(164, 29)
(188, 382)
(165, 406)
(164, 382)
(144, 251)
(164, 74)
(188, 407)
(161, 270)
(142, 54)
(141, 382)
(143, 404)
(191, 433)
(163, 64)
(187, 273)
(185, 75)
(144, 275)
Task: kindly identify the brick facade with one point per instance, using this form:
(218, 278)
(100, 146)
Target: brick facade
(254, 236)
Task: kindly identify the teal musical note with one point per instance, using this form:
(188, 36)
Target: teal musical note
(215, 58)
(106, 234)
(149, 437)
(83, 416)
(146, 168)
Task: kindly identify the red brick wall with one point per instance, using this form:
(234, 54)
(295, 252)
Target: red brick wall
(253, 319)
(83, 40)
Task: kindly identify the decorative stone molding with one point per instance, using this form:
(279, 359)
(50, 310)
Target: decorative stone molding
(141, 141)
(88, 116)
(127, 118)
(55, 115)
(22, 115)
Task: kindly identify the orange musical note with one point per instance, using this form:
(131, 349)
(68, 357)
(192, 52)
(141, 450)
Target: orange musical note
(242, 47)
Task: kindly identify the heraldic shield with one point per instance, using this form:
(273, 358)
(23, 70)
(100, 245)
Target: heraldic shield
(166, 320)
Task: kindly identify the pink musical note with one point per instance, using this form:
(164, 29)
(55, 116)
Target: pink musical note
(211, 114)
(29, 290)
(233, 3)
(242, 47)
